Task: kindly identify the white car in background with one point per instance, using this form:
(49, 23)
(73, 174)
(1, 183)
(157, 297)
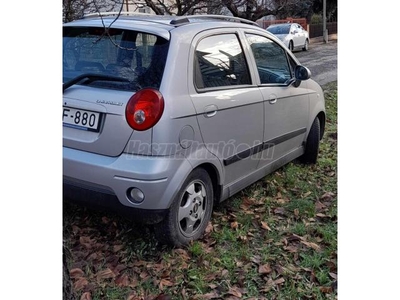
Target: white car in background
(293, 35)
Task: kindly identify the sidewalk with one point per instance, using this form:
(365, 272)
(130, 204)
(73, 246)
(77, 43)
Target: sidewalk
(319, 39)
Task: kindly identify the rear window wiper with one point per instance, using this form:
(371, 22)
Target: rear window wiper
(92, 77)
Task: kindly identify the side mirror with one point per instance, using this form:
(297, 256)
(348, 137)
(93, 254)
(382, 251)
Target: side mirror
(302, 73)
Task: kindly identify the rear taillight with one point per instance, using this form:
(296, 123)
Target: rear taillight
(144, 109)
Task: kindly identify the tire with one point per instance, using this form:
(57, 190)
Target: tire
(190, 211)
(306, 43)
(312, 144)
(291, 46)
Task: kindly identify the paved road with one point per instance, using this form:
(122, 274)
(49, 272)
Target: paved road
(321, 59)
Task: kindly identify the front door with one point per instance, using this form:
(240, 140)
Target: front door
(285, 106)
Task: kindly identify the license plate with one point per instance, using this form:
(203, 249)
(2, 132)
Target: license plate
(81, 119)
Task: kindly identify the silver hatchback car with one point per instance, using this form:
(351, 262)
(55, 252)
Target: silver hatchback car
(166, 116)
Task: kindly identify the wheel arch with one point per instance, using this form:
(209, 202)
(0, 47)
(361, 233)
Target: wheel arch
(215, 179)
(322, 118)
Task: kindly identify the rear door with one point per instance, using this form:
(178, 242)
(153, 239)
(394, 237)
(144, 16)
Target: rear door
(229, 106)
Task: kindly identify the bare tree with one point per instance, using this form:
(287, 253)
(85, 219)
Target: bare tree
(75, 9)
(247, 9)
(183, 7)
(255, 9)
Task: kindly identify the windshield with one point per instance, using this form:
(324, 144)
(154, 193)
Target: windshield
(135, 57)
(281, 29)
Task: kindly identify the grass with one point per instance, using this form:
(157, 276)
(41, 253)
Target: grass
(276, 239)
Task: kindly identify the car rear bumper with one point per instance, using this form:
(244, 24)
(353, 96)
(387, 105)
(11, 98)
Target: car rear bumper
(96, 178)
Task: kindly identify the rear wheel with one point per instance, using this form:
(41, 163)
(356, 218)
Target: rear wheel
(190, 211)
(312, 145)
(291, 46)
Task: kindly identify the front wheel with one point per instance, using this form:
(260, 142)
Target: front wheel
(306, 43)
(312, 144)
(190, 211)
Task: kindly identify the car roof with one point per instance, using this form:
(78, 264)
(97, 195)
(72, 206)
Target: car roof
(160, 24)
(165, 21)
(282, 24)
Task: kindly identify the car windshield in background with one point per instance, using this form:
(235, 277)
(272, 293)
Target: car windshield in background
(137, 58)
(280, 29)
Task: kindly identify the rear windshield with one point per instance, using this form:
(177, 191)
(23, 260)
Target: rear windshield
(137, 58)
(281, 29)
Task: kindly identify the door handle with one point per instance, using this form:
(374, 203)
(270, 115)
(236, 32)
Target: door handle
(211, 114)
(272, 101)
(273, 98)
(210, 111)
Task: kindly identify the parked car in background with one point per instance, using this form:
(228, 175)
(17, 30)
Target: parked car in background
(165, 116)
(293, 35)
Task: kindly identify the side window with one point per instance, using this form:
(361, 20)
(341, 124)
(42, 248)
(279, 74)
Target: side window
(299, 28)
(219, 61)
(271, 60)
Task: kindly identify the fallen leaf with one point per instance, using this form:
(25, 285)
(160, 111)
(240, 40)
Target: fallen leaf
(279, 281)
(319, 206)
(212, 295)
(327, 196)
(212, 286)
(182, 253)
(234, 225)
(291, 249)
(333, 275)
(279, 211)
(294, 238)
(209, 228)
(311, 245)
(264, 269)
(86, 242)
(144, 275)
(104, 274)
(224, 273)
(122, 280)
(132, 296)
(75, 229)
(243, 238)
(306, 194)
(76, 273)
(265, 226)
(234, 291)
(117, 248)
(164, 282)
(86, 296)
(80, 284)
(326, 289)
(281, 201)
(163, 297)
(256, 259)
(296, 212)
(269, 285)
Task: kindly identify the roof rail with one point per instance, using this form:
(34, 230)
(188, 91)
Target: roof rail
(177, 20)
(186, 19)
(115, 13)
